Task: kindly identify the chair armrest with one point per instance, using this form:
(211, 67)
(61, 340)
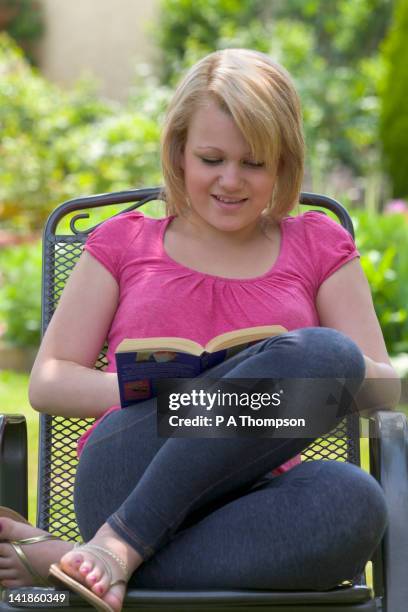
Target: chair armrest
(13, 463)
(389, 465)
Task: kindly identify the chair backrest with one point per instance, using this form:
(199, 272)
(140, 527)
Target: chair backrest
(59, 435)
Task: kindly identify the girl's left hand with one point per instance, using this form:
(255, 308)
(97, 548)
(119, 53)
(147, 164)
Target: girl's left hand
(379, 391)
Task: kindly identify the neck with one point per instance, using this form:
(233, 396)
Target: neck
(196, 228)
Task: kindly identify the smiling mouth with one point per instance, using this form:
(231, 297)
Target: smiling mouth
(225, 200)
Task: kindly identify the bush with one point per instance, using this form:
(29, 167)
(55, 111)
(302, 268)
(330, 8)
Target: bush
(382, 242)
(330, 48)
(121, 152)
(57, 145)
(23, 20)
(20, 294)
(394, 111)
(189, 29)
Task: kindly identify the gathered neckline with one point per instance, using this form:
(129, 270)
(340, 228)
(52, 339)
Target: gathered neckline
(165, 223)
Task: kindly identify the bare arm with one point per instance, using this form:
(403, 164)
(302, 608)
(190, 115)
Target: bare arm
(344, 302)
(63, 380)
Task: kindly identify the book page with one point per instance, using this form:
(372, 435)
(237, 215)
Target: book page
(161, 344)
(242, 336)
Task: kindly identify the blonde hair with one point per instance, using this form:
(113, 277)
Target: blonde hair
(260, 97)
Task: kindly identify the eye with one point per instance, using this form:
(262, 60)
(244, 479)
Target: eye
(210, 161)
(254, 164)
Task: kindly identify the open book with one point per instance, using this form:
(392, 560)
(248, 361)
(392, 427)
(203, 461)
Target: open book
(140, 362)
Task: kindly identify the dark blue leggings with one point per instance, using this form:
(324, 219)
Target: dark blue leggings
(205, 513)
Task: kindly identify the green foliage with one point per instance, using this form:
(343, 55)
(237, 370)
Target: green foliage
(26, 21)
(23, 20)
(344, 31)
(121, 153)
(382, 242)
(189, 29)
(394, 96)
(56, 145)
(338, 75)
(20, 294)
(329, 47)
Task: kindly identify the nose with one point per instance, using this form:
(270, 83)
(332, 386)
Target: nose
(230, 178)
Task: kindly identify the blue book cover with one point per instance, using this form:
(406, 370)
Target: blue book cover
(140, 363)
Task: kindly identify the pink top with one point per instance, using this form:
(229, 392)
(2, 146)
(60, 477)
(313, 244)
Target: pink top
(154, 290)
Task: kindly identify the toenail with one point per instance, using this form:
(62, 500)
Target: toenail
(100, 590)
(92, 579)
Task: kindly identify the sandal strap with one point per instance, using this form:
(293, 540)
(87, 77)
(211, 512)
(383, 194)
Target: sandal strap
(22, 556)
(35, 539)
(98, 552)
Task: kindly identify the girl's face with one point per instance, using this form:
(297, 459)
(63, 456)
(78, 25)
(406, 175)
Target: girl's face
(227, 188)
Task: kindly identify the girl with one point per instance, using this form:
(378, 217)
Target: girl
(213, 513)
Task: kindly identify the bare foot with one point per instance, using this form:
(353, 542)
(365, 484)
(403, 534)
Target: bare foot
(87, 569)
(40, 555)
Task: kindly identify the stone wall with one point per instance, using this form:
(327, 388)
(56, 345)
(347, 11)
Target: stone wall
(102, 38)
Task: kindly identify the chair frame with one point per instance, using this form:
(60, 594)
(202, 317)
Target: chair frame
(388, 446)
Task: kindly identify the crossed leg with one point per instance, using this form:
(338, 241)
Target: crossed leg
(141, 489)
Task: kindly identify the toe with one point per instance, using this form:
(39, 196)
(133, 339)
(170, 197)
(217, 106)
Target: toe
(9, 528)
(94, 576)
(86, 567)
(102, 586)
(114, 597)
(93, 573)
(73, 559)
(4, 549)
(39, 556)
(8, 574)
(76, 565)
(11, 583)
(70, 563)
(4, 562)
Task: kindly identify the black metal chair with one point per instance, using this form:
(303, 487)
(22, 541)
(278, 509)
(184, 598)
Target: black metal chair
(57, 461)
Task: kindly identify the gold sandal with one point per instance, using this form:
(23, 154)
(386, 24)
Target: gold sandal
(119, 573)
(16, 545)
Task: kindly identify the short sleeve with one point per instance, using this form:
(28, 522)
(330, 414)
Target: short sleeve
(330, 244)
(112, 238)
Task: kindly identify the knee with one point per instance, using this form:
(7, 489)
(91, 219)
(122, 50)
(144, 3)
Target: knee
(329, 352)
(359, 519)
(369, 515)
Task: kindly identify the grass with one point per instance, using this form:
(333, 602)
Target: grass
(14, 400)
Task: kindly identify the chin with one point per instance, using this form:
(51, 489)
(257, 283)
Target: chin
(228, 226)
(224, 223)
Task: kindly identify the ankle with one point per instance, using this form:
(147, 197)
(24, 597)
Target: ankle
(114, 541)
